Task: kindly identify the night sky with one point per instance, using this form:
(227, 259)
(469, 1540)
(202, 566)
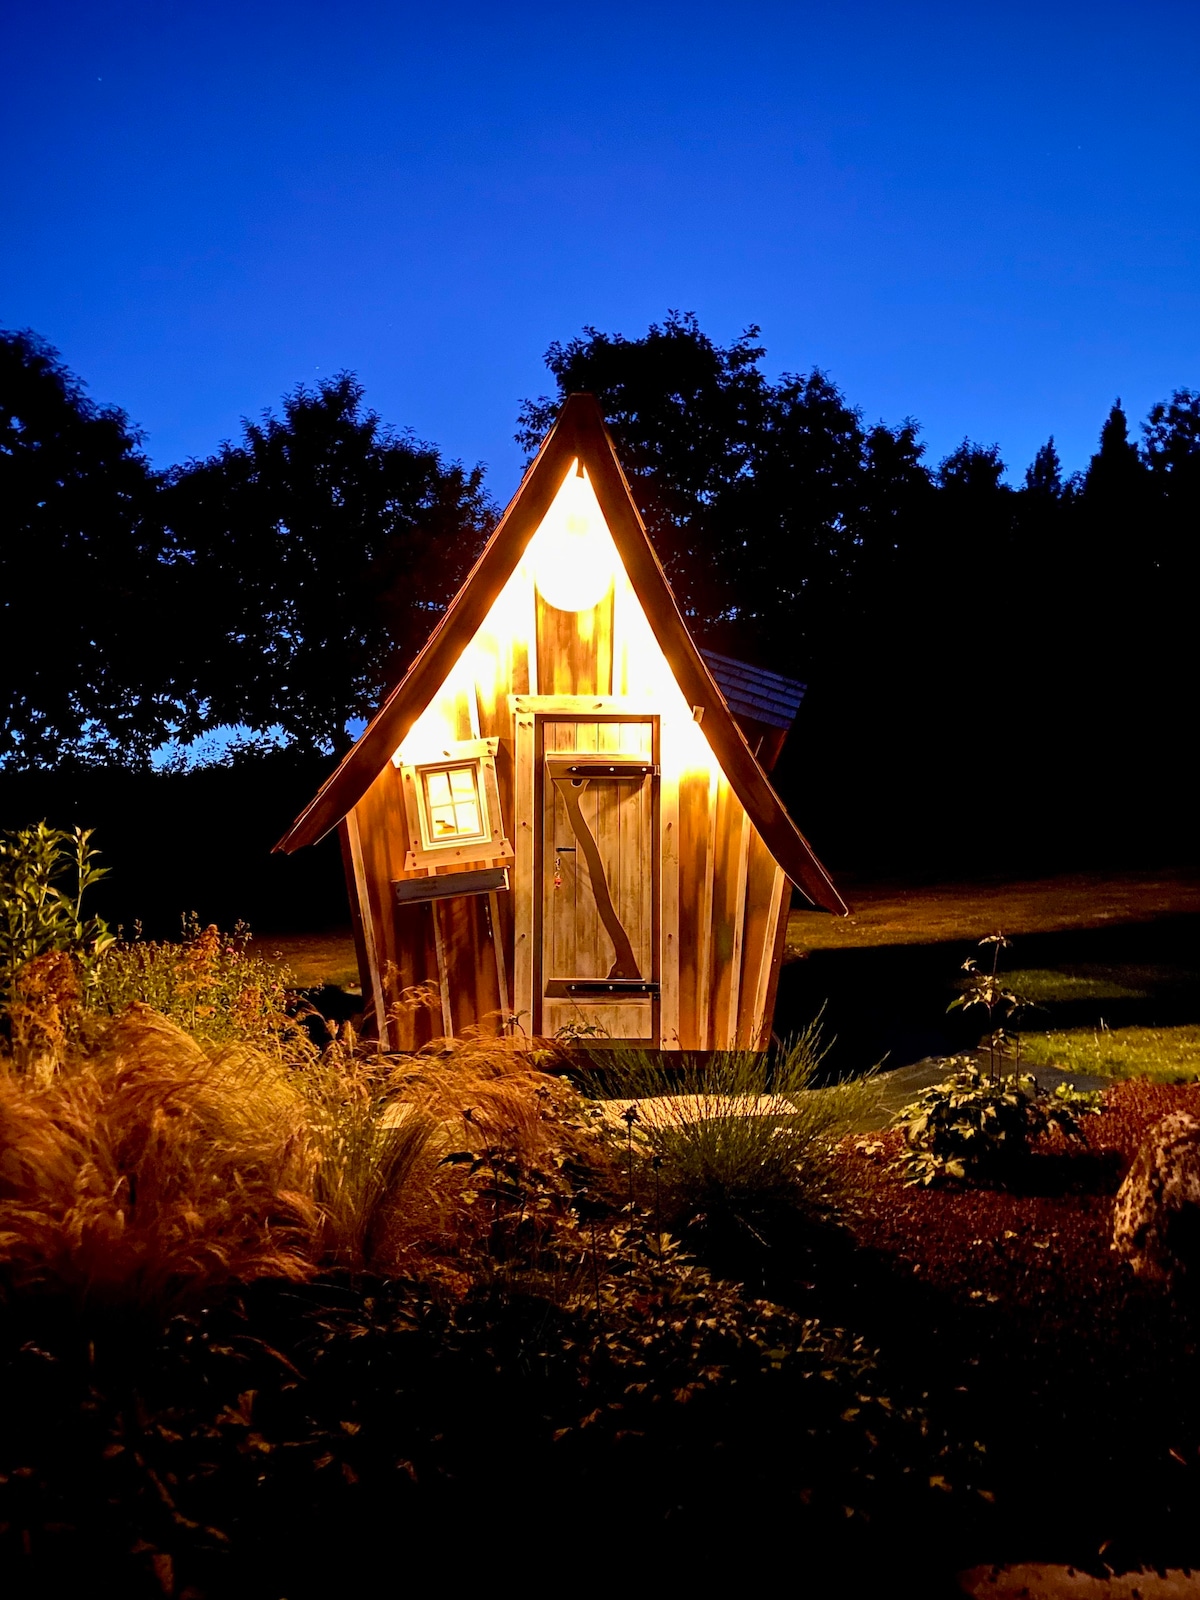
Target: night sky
(985, 218)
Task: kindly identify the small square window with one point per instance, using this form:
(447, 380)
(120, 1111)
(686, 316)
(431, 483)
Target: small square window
(453, 808)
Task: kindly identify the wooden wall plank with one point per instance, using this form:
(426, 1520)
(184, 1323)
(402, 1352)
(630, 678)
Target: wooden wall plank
(706, 959)
(729, 892)
(692, 915)
(575, 648)
(744, 829)
(763, 890)
(768, 983)
(670, 950)
(364, 927)
(443, 971)
(778, 946)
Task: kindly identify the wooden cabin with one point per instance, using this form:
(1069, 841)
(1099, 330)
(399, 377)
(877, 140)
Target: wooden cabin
(555, 822)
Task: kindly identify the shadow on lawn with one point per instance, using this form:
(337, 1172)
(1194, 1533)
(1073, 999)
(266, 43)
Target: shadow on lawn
(888, 1002)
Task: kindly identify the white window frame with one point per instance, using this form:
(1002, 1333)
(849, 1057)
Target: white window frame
(425, 851)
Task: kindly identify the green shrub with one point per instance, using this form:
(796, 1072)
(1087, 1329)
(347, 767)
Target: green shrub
(973, 1126)
(44, 875)
(209, 984)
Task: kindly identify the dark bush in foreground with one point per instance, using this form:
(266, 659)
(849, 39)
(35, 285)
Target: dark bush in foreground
(299, 1432)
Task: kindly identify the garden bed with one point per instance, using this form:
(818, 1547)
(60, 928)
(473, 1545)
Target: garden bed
(1036, 1340)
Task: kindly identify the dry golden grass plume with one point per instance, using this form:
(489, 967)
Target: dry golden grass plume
(138, 1163)
(490, 1091)
(380, 1192)
(146, 1170)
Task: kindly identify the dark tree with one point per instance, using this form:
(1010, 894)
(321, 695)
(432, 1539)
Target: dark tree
(770, 506)
(974, 469)
(1172, 452)
(686, 414)
(1044, 474)
(86, 654)
(321, 548)
(1116, 471)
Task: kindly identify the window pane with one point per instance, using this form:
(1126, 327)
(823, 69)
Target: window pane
(437, 785)
(444, 823)
(467, 814)
(462, 782)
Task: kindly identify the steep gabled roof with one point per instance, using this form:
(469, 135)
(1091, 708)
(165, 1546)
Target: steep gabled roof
(579, 434)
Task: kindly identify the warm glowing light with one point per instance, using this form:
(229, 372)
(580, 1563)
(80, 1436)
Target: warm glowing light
(438, 728)
(572, 556)
(452, 806)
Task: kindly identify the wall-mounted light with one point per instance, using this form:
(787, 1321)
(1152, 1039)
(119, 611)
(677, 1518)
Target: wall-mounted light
(572, 555)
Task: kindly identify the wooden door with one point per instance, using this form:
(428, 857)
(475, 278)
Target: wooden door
(598, 873)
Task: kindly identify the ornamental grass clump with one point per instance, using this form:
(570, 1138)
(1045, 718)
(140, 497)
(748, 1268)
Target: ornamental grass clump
(376, 1182)
(728, 1138)
(148, 1171)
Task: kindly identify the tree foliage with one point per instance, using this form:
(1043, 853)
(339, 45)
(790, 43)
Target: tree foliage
(322, 547)
(955, 631)
(770, 504)
(280, 583)
(85, 663)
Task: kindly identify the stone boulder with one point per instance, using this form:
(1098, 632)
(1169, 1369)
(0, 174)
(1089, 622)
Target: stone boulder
(1156, 1222)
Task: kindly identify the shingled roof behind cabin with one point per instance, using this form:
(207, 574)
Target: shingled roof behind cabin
(756, 693)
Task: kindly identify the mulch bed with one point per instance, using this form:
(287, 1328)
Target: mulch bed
(1034, 1337)
(1054, 1230)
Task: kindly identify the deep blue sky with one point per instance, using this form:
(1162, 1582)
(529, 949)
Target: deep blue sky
(984, 217)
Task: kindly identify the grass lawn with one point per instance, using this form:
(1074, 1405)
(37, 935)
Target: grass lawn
(1163, 1055)
(314, 960)
(933, 914)
(1047, 986)
(1106, 959)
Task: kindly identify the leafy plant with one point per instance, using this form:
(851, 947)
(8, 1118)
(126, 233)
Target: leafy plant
(1082, 1102)
(211, 984)
(44, 874)
(231, 1450)
(977, 1127)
